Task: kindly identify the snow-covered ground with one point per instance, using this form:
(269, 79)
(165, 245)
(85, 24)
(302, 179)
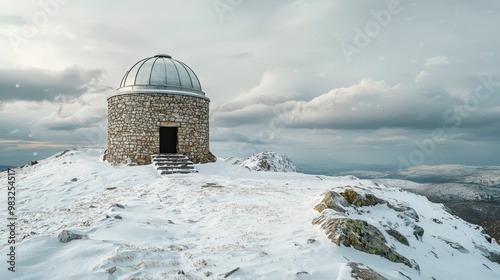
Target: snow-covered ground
(149, 226)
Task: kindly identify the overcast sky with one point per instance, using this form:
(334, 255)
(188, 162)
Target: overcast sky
(327, 82)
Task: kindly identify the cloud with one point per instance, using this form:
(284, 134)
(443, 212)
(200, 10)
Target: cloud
(276, 87)
(255, 113)
(367, 105)
(420, 76)
(437, 60)
(38, 84)
(377, 104)
(70, 123)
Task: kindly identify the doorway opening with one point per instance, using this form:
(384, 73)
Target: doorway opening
(168, 140)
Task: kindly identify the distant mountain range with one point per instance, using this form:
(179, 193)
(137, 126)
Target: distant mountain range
(480, 175)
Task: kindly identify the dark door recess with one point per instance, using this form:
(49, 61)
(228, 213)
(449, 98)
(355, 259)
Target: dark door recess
(168, 140)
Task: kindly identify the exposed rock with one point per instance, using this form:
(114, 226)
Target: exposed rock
(111, 270)
(34, 162)
(437, 221)
(311, 241)
(332, 200)
(487, 237)
(362, 272)
(435, 255)
(118, 217)
(399, 237)
(415, 265)
(211, 185)
(453, 244)
(227, 274)
(418, 232)
(360, 235)
(62, 153)
(301, 272)
(494, 257)
(118, 205)
(356, 199)
(359, 200)
(405, 210)
(67, 236)
(74, 180)
(207, 273)
(404, 275)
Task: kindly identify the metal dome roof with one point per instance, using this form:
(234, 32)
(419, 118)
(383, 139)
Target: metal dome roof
(160, 73)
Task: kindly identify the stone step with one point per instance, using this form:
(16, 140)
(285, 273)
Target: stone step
(171, 159)
(173, 164)
(175, 167)
(168, 156)
(167, 172)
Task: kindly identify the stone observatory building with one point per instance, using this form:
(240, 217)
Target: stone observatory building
(159, 108)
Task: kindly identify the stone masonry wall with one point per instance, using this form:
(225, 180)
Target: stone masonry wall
(134, 122)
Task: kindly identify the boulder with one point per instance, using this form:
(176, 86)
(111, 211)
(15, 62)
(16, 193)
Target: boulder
(359, 200)
(398, 236)
(362, 272)
(66, 236)
(360, 235)
(332, 200)
(418, 232)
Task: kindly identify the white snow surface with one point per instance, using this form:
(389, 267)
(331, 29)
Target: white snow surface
(173, 227)
(265, 161)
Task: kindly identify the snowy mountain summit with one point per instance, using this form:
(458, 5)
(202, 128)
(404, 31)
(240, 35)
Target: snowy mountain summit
(265, 161)
(81, 218)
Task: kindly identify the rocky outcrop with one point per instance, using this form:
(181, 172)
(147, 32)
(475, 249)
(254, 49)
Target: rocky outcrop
(360, 200)
(453, 244)
(353, 198)
(398, 236)
(362, 272)
(265, 161)
(360, 235)
(332, 200)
